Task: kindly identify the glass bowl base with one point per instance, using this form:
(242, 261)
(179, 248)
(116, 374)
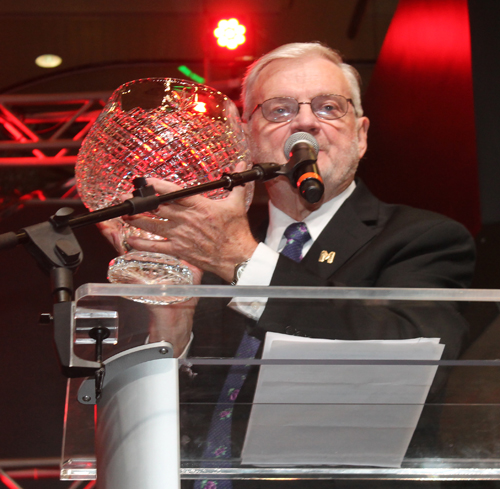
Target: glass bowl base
(142, 267)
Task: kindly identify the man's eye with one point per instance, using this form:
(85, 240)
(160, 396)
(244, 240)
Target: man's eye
(329, 107)
(280, 111)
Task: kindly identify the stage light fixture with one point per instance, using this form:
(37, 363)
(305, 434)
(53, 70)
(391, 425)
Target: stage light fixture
(48, 61)
(230, 33)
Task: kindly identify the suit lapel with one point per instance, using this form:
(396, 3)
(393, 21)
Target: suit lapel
(354, 225)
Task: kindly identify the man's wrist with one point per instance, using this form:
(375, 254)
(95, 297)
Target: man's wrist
(240, 254)
(238, 270)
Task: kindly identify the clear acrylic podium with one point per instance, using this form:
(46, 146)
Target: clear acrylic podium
(150, 423)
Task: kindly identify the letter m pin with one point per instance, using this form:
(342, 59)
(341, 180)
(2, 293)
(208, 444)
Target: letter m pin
(326, 256)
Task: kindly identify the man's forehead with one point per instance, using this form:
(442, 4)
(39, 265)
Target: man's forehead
(288, 77)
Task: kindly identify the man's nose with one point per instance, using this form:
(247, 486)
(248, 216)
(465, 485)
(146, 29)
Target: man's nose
(305, 120)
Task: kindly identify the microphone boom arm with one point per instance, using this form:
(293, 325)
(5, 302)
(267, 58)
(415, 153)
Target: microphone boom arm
(55, 248)
(145, 199)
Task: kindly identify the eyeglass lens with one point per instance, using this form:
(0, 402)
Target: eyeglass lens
(284, 109)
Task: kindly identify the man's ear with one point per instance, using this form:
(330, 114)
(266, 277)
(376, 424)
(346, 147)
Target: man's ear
(363, 125)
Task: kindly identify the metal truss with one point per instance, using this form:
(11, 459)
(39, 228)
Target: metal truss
(46, 129)
(45, 470)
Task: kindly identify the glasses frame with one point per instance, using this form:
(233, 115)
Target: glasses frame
(349, 101)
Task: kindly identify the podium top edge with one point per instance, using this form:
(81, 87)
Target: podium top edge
(288, 292)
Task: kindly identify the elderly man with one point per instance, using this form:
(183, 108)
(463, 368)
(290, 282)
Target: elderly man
(305, 87)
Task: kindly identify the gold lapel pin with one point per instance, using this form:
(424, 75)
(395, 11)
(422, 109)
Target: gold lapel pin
(326, 256)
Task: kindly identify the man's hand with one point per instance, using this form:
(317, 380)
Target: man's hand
(213, 235)
(112, 231)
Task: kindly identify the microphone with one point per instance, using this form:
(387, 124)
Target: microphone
(302, 150)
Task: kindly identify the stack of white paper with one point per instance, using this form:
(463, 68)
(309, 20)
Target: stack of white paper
(338, 414)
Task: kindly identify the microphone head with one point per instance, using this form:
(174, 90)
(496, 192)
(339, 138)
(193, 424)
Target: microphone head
(300, 137)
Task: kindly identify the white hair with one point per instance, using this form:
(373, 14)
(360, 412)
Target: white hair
(298, 50)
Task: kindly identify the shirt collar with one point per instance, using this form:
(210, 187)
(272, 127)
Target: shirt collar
(316, 221)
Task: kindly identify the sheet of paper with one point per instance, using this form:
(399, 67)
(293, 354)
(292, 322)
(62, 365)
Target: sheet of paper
(338, 414)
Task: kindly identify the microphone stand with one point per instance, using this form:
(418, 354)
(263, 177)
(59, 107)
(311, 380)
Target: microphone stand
(58, 253)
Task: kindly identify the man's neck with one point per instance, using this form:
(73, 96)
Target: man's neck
(288, 199)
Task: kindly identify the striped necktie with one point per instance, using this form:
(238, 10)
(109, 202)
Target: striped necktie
(217, 451)
(297, 236)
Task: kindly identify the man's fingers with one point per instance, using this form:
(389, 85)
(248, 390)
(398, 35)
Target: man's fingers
(239, 193)
(155, 226)
(163, 187)
(140, 244)
(242, 166)
(112, 231)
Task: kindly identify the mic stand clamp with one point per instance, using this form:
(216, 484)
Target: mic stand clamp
(58, 253)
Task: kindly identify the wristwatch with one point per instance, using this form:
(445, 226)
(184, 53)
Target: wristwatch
(238, 270)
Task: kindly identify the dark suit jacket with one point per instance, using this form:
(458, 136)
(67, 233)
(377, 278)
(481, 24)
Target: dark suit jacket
(376, 245)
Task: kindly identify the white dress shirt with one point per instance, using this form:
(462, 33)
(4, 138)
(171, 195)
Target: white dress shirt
(260, 268)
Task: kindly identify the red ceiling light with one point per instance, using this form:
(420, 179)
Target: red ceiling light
(230, 33)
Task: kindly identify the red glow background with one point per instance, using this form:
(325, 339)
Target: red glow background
(422, 149)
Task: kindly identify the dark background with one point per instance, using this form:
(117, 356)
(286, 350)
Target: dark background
(430, 72)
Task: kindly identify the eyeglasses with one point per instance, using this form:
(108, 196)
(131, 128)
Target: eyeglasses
(284, 109)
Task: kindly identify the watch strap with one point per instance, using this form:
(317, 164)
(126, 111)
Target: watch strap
(238, 270)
